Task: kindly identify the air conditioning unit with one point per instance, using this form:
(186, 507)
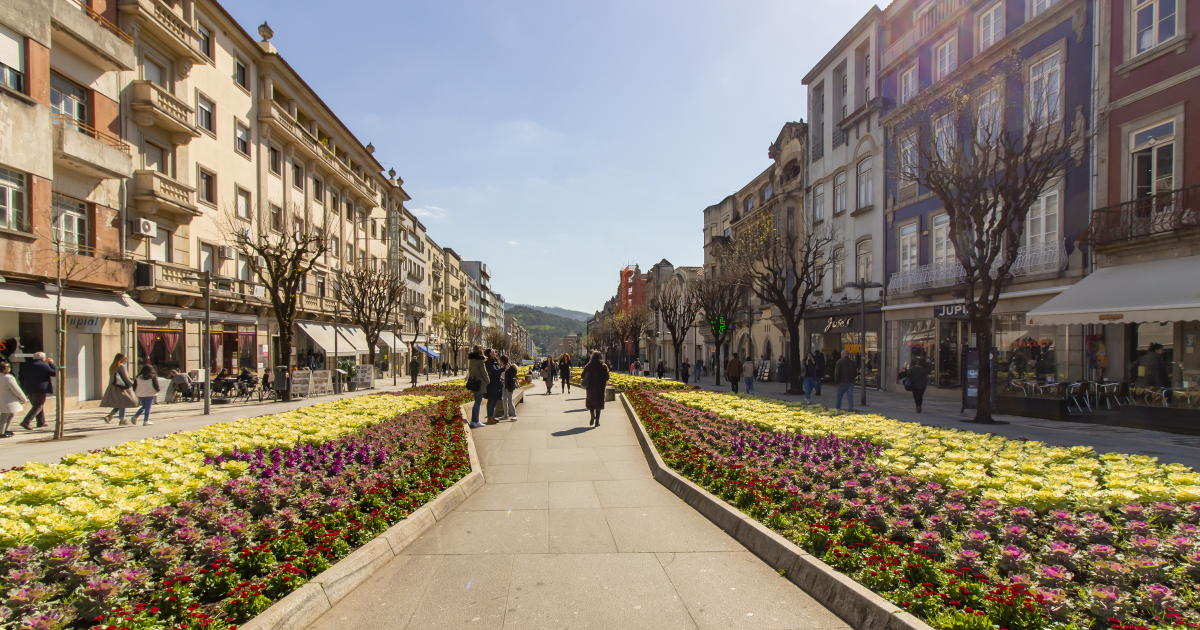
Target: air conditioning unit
(227, 253)
(145, 227)
(260, 262)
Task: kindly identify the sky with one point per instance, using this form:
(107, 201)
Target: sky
(559, 141)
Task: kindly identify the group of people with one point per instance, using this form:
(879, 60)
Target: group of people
(738, 370)
(492, 378)
(37, 382)
(560, 370)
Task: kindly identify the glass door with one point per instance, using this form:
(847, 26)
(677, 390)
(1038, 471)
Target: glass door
(949, 349)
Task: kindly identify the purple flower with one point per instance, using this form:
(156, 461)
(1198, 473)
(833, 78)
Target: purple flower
(165, 556)
(133, 577)
(1067, 531)
(833, 500)
(976, 539)
(19, 556)
(1156, 598)
(1061, 552)
(1012, 558)
(111, 557)
(21, 575)
(1101, 531)
(1110, 571)
(955, 511)
(901, 528)
(1054, 575)
(1137, 528)
(63, 555)
(1145, 545)
(27, 596)
(130, 523)
(908, 511)
(1146, 568)
(52, 620)
(1054, 601)
(233, 526)
(1014, 534)
(939, 523)
(104, 539)
(1102, 552)
(186, 536)
(1060, 516)
(101, 588)
(968, 560)
(926, 501)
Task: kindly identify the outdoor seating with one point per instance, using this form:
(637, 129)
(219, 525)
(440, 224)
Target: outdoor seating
(1078, 391)
(1110, 392)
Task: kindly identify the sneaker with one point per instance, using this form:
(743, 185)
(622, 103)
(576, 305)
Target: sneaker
(475, 425)
(147, 423)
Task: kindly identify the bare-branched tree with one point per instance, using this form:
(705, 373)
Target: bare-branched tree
(783, 265)
(453, 324)
(497, 340)
(676, 306)
(370, 294)
(989, 151)
(286, 246)
(412, 312)
(631, 324)
(717, 295)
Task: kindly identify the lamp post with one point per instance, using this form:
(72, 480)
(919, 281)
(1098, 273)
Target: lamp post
(862, 286)
(206, 354)
(337, 315)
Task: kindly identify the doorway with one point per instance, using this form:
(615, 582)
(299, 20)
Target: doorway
(950, 335)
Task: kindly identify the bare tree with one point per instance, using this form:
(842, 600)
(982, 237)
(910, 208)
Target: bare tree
(988, 152)
(590, 342)
(631, 324)
(783, 267)
(497, 340)
(454, 324)
(370, 294)
(412, 310)
(717, 296)
(677, 306)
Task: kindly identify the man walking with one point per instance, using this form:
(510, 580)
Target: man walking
(820, 375)
(685, 371)
(845, 373)
(733, 371)
(414, 368)
(37, 379)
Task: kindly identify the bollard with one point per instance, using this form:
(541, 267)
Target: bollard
(610, 394)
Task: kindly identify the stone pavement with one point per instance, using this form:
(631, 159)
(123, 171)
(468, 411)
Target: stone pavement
(87, 431)
(571, 531)
(943, 411)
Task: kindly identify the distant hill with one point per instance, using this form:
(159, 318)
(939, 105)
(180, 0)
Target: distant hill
(546, 329)
(554, 310)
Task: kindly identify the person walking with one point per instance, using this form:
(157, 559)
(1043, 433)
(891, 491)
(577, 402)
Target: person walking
(810, 375)
(477, 382)
(845, 373)
(508, 411)
(685, 371)
(118, 395)
(414, 369)
(820, 357)
(781, 370)
(548, 371)
(918, 380)
(564, 373)
(1152, 370)
(12, 399)
(733, 371)
(37, 379)
(595, 380)
(495, 389)
(661, 370)
(748, 374)
(146, 391)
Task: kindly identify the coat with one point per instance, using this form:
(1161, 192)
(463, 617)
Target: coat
(117, 398)
(597, 375)
(845, 372)
(918, 376)
(1152, 371)
(733, 369)
(38, 376)
(476, 370)
(510, 378)
(748, 369)
(564, 371)
(820, 365)
(12, 398)
(495, 372)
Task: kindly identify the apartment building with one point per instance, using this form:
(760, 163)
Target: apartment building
(661, 348)
(845, 194)
(935, 46)
(63, 169)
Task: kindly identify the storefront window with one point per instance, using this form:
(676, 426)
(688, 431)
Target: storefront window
(916, 341)
(1149, 333)
(852, 341)
(1028, 353)
(161, 345)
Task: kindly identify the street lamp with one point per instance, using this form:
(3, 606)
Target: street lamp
(862, 286)
(206, 355)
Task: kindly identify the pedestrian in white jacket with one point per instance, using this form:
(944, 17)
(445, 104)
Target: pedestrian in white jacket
(146, 390)
(12, 399)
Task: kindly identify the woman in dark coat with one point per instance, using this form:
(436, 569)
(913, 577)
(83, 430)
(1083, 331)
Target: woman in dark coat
(918, 381)
(118, 396)
(564, 372)
(595, 374)
(495, 388)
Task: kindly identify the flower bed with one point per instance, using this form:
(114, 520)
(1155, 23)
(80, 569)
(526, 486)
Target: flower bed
(275, 503)
(626, 383)
(951, 556)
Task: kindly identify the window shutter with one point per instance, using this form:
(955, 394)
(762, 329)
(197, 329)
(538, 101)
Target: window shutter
(12, 49)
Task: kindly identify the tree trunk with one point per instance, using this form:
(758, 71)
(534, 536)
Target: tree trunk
(678, 351)
(794, 362)
(285, 355)
(717, 368)
(983, 341)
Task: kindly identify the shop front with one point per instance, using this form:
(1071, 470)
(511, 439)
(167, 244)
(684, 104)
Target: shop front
(831, 332)
(320, 342)
(172, 341)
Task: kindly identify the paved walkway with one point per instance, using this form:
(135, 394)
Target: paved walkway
(571, 531)
(87, 431)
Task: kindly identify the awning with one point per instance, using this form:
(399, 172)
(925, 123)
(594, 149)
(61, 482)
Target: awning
(389, 340)
(33, 299)
(432, 354)
(1160, 291)
(356, 336)
(323, 334)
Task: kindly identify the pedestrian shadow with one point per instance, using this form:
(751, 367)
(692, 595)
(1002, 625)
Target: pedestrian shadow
(572, 431)
(575, 411)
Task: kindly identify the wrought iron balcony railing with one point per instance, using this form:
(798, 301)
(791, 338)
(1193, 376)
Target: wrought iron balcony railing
(1164, 213)
(1045, 258)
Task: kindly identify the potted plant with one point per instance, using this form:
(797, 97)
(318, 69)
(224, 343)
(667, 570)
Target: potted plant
(351, 372)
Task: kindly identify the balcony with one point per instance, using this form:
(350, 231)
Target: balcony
(94, 153)
(171, 286)
(154, 105)
(1157, 215)
(271, 111)
(155, 193)
(1047, 258)
(934, 14)
(168, 27)
(88, 34)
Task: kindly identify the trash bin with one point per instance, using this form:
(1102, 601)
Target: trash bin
(282, 376)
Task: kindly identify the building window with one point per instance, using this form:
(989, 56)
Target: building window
(991, 121)
(241, 139)
(320, 286)
(839, 193)
(768, 190)
(866, 184)
(749, 204)
(160, 245)
(276, 218)
(208, 259)
(240, 75)
(1153, 160)
(335, 245)
(943, 247)
(12, 59)
(70, 223)
(318, 190)
(243, 268)
(908, 84)
(68, 100)
(1041, 225)
(205, 40)
(991, 26)
(863, 261)
(910, 247)
(243, 203)
(818, 204)
(908, 158)
(1155, 23)
(298, 176)
(156, 158)
(207, 188)
(943, 137)
(275, 159)
(1040, 6)
(1045, 82)
(839, 268)
(945, 58)
(205, 114)
(349, 251)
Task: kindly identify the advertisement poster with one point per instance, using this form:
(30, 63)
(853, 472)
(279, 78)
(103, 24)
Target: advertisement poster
(322, 383)
(364, 376)
(301, 380)
(970, 390)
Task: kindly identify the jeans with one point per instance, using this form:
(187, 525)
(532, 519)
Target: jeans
(120, 413)
(843, 389)
(37, 401)
(810, 383)
(475, 409)
(919, 396)
(749, 384)
(147, 402)
(733, 382)
(818, 380)
(507, 408)
(491, 407)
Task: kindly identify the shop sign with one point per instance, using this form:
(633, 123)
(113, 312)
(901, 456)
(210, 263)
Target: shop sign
(1107, 317)
(950, 310)
(321, 383)
(364, 376)
(84, 324)
(853, 348)
(838, 322)
(301, 380)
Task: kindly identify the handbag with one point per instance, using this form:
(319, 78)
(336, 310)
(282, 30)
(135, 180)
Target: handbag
(907, 384)
(473, 384)
(585, 379)
(120, 383)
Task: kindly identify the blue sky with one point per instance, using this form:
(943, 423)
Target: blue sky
(560, 141)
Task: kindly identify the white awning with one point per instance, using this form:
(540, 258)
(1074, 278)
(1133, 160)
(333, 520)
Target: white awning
(389, 340)
(33, 299)
(354, 335)
(322, 334)
(1159, 291)
(25, 298)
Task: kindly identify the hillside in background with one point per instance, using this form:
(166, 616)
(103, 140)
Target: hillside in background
(554, 310)
(546, 329)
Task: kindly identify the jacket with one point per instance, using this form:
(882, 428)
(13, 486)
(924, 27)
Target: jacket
(510, 378)
(685, 370)
(733, 369)
(147, 387)
(748, 369)
(918, 376)
(820, 365)
(811, 368)
(845, 372)
(597, 380)
(476, 370)
(495, 374)
(564, 371)
(11, 397)
(117, 398)
(38, 376)
(1152, 371)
